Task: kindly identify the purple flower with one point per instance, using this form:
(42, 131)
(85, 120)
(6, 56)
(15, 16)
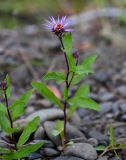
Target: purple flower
(58, 26)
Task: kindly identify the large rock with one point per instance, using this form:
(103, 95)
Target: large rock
(72, 132)
(49, 126)
(81, 150)
(46, 114)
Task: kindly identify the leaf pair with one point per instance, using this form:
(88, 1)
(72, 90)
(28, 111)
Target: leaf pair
(84, 69)
(81, 99)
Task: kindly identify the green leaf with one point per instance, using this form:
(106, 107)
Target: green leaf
(4, 150)
(5, 123)
(100, 148)
(58, 76)
(84, 103)
(29, 129)
(70, 143)
(77, 78)
(18, 106)
(8, 91)
(23, 152)
(71, 62)
(71, 111)
(120, 146)
(47, 93)
(83, 91)
(80, 69)
(55, 132)
(67, 41)
(3, 108)
(111, 136)
(88, 61)
(58, 128)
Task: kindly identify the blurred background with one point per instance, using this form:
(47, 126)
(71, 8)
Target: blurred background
(27, 50)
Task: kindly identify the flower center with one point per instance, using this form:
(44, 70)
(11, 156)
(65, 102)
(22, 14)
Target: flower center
(59, 27)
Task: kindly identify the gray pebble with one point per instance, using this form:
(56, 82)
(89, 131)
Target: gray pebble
(68, 158)
(40, 133)
(81, 150)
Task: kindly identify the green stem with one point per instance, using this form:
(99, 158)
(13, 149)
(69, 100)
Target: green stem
(10, 118)
(67, 87)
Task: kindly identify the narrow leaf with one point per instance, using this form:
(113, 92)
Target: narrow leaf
(71, 62)
(4, 150)
(84, 103)
(58, 128)
(111, 136)
(29, 129)
(83, 91)
(18, 106)
(67, 41)
(88, 61)
(46, 92)
(3, 108)
(8, 91)
(80, 69)
(4, 123)
(77, 78)
(100, 148)
(23, 152)
(58, 76)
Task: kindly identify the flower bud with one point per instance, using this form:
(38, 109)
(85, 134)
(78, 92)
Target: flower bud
(3, 85)
(76, 54)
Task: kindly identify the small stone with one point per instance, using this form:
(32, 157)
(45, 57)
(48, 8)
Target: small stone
(98, 135)
(73, 133)
(103, 158)
(30, 109)
(33, 156)
(122, 106)
(48, 144)
(122, 90)
(75, 119)
(40, 133)
(123, 117)
(93, 141)
(43, 103)
(105, 107)
(106, 96)
(50, 152)
(68, 158)
(81, 150)
(101, 76)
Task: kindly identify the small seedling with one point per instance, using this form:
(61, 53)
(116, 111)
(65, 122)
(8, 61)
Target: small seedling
(16, 149)
(113, 146)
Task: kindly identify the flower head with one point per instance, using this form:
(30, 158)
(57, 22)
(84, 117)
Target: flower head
(58, 26)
